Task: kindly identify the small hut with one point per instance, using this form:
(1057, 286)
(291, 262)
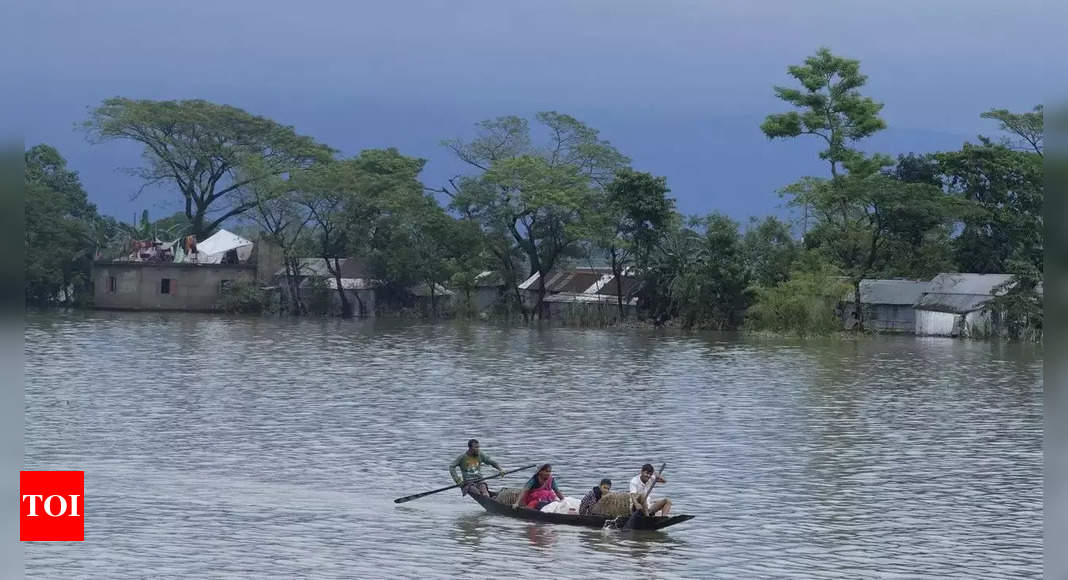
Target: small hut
(888, 305)
(952, 304)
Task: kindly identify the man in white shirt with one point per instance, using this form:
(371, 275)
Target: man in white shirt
(640, 485)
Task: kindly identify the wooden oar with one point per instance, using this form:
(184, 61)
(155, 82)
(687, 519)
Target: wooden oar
(656, 477)
(481, 479)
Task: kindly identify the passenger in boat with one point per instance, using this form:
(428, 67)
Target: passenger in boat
(469, 464)
(644, 501)
(539, 490)
(593, 496)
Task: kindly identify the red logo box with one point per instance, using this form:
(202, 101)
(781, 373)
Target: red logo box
(51, 506)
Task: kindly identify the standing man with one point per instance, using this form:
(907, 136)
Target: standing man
(640, 485)
(469, 465)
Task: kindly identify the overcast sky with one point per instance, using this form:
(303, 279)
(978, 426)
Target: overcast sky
(679, 86)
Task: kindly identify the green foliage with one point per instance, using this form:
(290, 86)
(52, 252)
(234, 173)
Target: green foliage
(245, 298)
(207, 151)
(831, 107)
(355, 204)
(1029, 127)
(529, 200)
(804, 305)
(1018, 305)
(698, 274)
(769, 251)
(62, 231)
(1003, 192)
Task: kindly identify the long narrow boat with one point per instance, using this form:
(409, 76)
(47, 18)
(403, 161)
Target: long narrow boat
(590, 521)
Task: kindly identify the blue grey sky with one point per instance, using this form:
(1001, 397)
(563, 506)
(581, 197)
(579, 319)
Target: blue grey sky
(679, 86)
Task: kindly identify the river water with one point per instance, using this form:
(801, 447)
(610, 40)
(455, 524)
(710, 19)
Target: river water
(263, 448)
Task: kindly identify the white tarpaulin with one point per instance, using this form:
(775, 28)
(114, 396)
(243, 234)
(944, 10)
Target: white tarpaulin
(212, 250)
(568, 505)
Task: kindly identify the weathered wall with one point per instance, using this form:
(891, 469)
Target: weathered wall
(881, 317)
(976, 324)
(267, 257)
(931, 323)
(138, 284)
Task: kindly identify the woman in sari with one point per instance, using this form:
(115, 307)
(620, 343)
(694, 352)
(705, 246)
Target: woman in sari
(539, 490)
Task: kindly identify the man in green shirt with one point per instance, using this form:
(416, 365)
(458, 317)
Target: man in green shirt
(469, 466)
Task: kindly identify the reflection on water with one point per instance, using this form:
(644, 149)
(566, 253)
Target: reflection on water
(236, 448)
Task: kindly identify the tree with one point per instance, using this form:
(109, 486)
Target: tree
(62, 230)
(1028, 126)
(711, 290)
(805, 303)
(535, 197)
(284, 220)
(1003, 191)
(350, 200)
(770, 251)
(832, 108)
(865, 223)
(208, 151)
(671, 257)
(628, 221)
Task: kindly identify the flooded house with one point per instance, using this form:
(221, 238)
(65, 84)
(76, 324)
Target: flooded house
(179, 275)
(313, 275)
(888, 305)
(589, 292)
(953, 305)
(491, 289)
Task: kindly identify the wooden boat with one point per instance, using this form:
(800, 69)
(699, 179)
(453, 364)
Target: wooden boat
(591, 521)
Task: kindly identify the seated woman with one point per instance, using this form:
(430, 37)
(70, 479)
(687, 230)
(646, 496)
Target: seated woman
(539, 490)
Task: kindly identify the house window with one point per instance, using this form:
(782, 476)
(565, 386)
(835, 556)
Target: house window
(111, 284)
(224, 285)
(165, 286)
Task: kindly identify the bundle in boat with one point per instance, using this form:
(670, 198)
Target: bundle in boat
(613, 504)
(508, 495)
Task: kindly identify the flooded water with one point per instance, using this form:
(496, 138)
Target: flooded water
(255, 448)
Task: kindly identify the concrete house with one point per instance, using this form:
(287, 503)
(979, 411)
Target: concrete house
(157, 280)
(358, 287)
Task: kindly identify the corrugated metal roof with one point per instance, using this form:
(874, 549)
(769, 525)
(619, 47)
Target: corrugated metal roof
(978, 284)
(630, 286)
(896, 292)
(346, 283)
(960, 293)
(350, 268)
(562, 280)
(573, 297)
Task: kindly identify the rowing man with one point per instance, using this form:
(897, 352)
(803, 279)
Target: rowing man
(641, 485)
(469, 465)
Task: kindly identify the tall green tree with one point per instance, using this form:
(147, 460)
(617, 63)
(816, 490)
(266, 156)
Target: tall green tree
(536, 197)
(831, 107)
(207, 151)
(285, 221)
(62, 230)
(350, 201)
(863, 215)
(769, 250)
(627, 221)
(1028, 128)
(1003, 191)
(711, 290)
